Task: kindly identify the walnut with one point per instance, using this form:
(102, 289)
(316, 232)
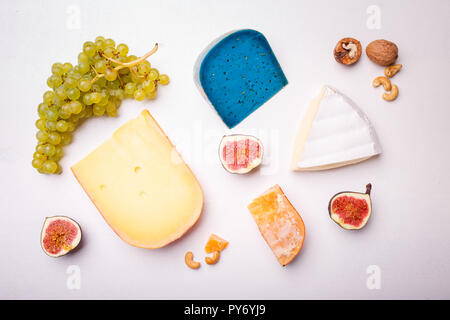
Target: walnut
(347, 51)
(382, 52)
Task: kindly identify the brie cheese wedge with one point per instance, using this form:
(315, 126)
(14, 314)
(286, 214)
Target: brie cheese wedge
(334, 133)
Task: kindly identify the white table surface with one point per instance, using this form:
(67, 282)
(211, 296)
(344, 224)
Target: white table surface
(407, 238)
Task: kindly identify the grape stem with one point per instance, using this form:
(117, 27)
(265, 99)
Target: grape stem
(122, 65)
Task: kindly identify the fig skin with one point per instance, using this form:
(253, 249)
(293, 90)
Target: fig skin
(242, 136)
(73, 249)
(367, 193)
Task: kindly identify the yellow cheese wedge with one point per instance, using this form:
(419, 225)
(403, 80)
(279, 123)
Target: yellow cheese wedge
(140, 185)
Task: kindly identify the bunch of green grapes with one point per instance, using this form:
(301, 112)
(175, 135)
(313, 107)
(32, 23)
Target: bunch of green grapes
(104, 76)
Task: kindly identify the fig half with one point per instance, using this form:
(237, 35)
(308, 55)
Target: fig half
(60, 235)
(351, 210)
(240, 153)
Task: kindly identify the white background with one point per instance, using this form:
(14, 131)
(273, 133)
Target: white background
(407, 236)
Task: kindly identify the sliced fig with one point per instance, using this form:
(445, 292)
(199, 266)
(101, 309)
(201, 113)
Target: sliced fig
(351, 210)
(240, 153)
(60, 235)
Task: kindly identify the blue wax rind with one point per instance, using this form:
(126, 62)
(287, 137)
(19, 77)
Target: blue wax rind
(239, 74)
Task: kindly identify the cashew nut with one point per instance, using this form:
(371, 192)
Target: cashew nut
(215, 257)
(389, 96)
(352, 48)
(382, 81)
(189, 259)
(392, 70)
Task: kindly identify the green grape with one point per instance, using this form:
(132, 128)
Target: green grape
(100, 43)
(58, 153)
(84, 67)
(39, 156)
(73, 93)
(139, 94)
(70, 126)
(131, 58)
(144, 68)
(148, 86)
(70, 82)
(151, 95)
(113, 84)
(101, 66)
(100, 38)
(53, 81)
(64, 115)
(61, 126)
(111, 106)
(75, 107)
(119, 94)
(110, 74)
(61, 93)
(67, 66)
(122, 50)
(48, 96)
(110, 43)
(87, 99)
(49, 149)
(82, 57)
(42, 136)
(87, 43)
(90, 49)
(95, 58)
(130, 88)
(49, 166)
(50, 125)
(40, 148)
(109, 52)
(105, 94)
(42, 109)
(57, 68)
(88, 112)
(84, 85)
(54, 138)
(112, 112)
(153, 74)
(96, 88)
(96, 97)
(123, 72)
(40, 124)
(101, 82)
(66, 138)
(51, 115)
(74, 74)
(136, 79)
(163, 79)
(98, 110)
(37, 163)
(65, 109)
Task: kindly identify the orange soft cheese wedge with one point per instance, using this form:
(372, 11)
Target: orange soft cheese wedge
(279, 223)
(140, 185)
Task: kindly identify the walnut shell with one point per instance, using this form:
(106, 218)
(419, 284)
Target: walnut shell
(382, 52)
(344, 55)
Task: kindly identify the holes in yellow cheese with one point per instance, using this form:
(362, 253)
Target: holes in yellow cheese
(147, 199)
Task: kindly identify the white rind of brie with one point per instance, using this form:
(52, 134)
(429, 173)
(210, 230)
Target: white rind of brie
(334, 132)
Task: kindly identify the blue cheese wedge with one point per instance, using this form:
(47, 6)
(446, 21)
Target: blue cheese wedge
(334, 132)
(237, 73)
